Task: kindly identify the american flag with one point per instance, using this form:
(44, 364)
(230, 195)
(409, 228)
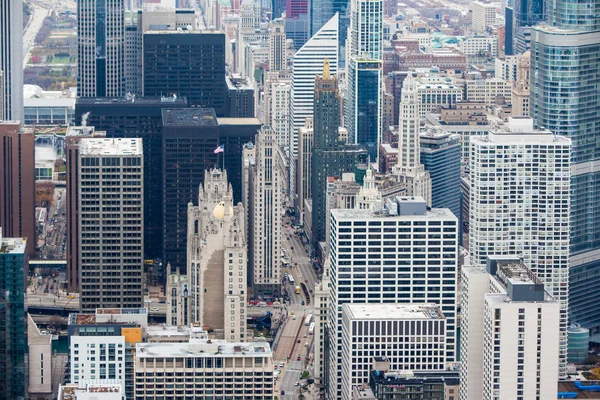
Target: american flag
(220, 149)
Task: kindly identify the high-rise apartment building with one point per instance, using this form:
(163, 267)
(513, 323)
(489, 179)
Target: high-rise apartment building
(304, 175)
(11, 61)
(565, 106)
(110, 204)
(509, 333)
(17, 183)
(13, 264)
(330, 156)
(281, 96)
(411, 337)
(73, 137)
(217, 259)
(521, 87)
(520, 203)
(363, 106)
(403, 253)
(265, 224)
(440, 155)
(483, 15)
(101, 48)
(129, 118)
(240, 97)
(186, 63)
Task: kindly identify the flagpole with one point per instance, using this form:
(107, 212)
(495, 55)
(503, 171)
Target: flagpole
(223, 157)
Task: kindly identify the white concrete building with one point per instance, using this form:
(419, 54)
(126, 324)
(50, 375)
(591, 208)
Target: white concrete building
(11, 61)
(417, 97)
(277, 46)
(507, 67)
(265, 222)
(179, 299)
(280, 112)
(488, 91)
(321, 310)
(411, 337)
(412, 257)
(483, 16)
(217, 259)
(97, 358)
(111, 201)
(520, 191)
(208, 369)
(39, 359)
(101, 52)
(480, 45)
(509, 333)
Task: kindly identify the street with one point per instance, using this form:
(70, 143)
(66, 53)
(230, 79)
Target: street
(52, 243)
(39, 12)
(295, 341)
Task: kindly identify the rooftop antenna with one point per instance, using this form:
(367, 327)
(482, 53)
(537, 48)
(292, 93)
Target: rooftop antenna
(326, 74)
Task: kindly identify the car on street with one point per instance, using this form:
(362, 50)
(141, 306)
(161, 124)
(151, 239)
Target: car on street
(296, 383)
(281, 365)
(298, 358)
(154, 309)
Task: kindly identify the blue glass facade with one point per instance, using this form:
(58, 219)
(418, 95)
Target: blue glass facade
(13, 340)
(440, 155)
(565, 86)
(321, 11)
(362, 114)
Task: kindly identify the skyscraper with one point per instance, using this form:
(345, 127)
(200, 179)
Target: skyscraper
(217, 259)
(308, 63)
(17, 183)
(13, 342)
(363, 106)
(265, 222)
(510, 340)
(129, 118)
(101, 48)
(519, 204)
(73, 137)
(321, 11)
(565, 81)
(111, 234)
(330, 156)
(277, 46)
(186, 63)
(402, 259)
(11, 61)
(526, 14)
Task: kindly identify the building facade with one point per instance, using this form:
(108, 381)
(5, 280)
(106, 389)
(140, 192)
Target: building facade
(417, 263)
(179, 299)
(217, 259)
(11, 61)
(484, 15)
(265, 226)
(410, 336)
(510, 333)
(561, 104)
(13, 264)
(111, 237)
(211, 368)
(101, 48)
(527, 174)
(17, 183)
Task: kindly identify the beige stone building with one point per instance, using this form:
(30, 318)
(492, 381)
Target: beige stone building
(40, 359)
(520, 87)
(179, 296)
(217, 259)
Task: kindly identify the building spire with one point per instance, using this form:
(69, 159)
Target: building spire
(326, 74)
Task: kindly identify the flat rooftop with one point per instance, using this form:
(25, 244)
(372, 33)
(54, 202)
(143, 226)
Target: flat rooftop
(148, 100)
(190, 117)
(238, 121)
(115, 311)
(392, 311)
(12, 245)
(202, 348)
(69, 391)
(111, 147)
(359, 215)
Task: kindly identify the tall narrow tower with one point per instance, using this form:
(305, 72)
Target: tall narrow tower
(101, 48)
(11, 60)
